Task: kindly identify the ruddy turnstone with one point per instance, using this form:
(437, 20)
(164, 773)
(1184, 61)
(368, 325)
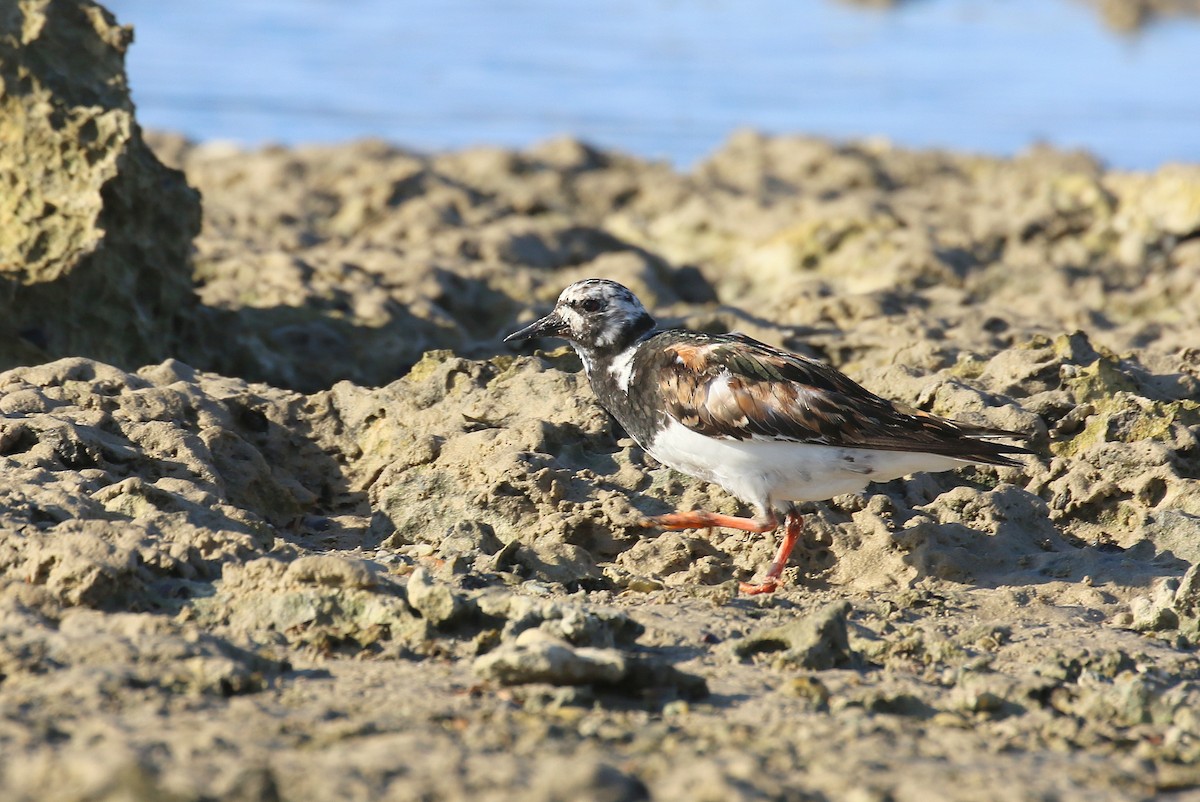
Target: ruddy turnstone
(772, 427)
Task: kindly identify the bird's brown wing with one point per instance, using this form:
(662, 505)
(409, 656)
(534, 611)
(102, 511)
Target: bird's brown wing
(733, 386)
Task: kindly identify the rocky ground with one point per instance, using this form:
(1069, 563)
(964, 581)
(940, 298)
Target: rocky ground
(425, 581)
(338, 541)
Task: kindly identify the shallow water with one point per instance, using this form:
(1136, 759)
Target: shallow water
(667, 79)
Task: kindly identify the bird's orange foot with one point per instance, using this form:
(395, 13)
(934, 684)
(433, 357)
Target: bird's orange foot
(750, 589)
(791, 533)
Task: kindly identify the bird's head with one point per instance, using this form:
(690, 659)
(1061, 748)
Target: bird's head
(596, 315)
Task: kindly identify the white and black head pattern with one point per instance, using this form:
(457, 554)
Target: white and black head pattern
(601, 314)
(595, 315)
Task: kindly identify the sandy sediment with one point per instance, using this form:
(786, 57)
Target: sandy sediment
(345, 543)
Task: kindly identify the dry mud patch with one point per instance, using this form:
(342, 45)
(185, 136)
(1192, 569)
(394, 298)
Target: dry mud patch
(429, 582)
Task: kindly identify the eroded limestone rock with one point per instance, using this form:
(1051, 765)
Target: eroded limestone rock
(95, 249)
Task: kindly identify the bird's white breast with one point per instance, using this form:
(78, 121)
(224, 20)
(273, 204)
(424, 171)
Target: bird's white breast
(770, 472)
(621, 367)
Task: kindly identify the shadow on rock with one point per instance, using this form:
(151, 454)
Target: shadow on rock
(121, 484)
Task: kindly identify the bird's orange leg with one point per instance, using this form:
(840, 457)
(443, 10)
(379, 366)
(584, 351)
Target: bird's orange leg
(791, 533)
(706, 520)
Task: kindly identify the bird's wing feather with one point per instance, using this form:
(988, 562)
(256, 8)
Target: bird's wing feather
(733, 386)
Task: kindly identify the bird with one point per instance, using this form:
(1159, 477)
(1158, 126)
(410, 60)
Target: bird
(772, 427)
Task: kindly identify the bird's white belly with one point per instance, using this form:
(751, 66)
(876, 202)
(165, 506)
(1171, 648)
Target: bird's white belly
(768, 472)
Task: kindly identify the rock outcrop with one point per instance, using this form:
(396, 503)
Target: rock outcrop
(97, 234)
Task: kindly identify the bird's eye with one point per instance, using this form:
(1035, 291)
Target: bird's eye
(590, 305)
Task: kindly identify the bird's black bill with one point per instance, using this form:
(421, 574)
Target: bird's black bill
(550, 326)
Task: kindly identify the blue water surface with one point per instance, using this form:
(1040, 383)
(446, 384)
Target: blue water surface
(666, 79)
